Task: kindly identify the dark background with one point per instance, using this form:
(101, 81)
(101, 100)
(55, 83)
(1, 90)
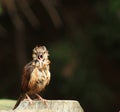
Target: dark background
(83, 39)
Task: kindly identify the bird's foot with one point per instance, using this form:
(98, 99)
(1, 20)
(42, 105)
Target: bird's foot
(42, 99)
(29, 99)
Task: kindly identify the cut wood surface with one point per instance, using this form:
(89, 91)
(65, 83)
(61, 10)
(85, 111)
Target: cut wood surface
(52, 106)
(6, 104)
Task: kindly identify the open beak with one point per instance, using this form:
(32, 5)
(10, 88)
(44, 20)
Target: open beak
(40, 57)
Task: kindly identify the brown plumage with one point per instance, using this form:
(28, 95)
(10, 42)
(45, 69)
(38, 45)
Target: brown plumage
(36, 75)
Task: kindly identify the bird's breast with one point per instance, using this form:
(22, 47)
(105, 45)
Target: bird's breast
(38, 80)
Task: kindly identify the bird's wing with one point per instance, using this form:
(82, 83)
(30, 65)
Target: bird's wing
(26, 77)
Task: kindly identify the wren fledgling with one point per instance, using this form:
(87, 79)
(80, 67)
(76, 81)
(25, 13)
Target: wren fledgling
(36, 75)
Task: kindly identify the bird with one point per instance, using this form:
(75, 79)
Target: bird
(36, 75)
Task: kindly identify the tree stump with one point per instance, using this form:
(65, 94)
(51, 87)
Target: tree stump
(52, 106)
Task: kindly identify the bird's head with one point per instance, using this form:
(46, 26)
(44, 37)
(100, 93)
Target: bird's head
(40, 54)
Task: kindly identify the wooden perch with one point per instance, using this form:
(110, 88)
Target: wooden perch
(52, 106)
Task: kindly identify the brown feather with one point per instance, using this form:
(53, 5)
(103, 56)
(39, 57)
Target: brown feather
(21, 97)
(26, 77)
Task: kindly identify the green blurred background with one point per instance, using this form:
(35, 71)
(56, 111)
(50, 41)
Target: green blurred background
(83, 39)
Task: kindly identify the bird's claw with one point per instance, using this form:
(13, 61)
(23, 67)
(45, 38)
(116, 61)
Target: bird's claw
(29, 99)
(42, 99)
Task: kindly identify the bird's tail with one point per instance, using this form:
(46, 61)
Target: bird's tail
(21, 97)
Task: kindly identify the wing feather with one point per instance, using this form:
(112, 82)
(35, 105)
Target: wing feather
(26, 77)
